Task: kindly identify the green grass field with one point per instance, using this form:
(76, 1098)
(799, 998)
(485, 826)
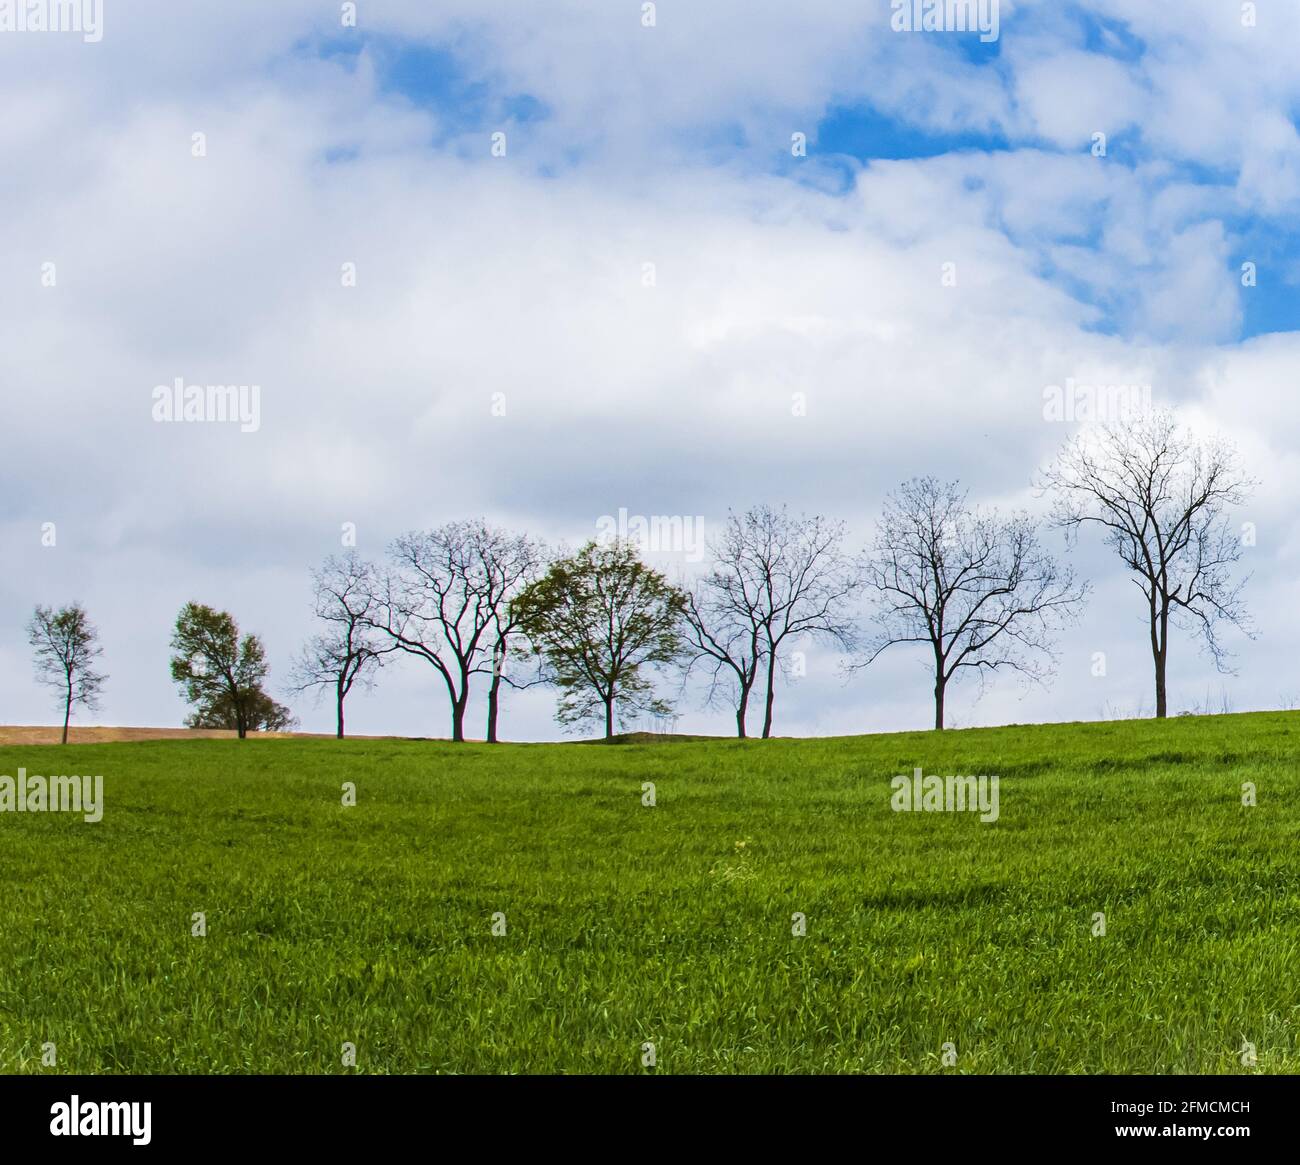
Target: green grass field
(672, 924)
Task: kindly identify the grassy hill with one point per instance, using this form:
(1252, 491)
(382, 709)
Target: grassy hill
(671, 924)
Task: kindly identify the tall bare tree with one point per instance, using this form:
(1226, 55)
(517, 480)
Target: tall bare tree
(350, 649)
(974, 588)
(446, 602)
(1159, 495)
(66, 646)
(777, 577)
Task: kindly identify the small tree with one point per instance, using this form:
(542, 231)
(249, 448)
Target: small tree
(1160, 497)
(350, 649)
(220, 673)
(66, 645)
(599, 620)
(973, 588)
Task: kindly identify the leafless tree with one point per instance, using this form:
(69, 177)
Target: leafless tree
(723, 633)
(447, 602)
(350, 649)
(777, 578)
(518, 560)
(66, 645)
(974, 588)
(1159, 495)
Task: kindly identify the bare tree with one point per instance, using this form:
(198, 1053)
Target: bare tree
(722, 631)
(777, 578)
(518, 561)
(1159, 495)
(729, 610)
(66, 645)
(447, 601)
(974, 588)
(350, 649)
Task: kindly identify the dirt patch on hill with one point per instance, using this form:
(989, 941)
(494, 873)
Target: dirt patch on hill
(43, 735)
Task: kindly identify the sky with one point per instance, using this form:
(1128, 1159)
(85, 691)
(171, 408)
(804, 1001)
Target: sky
(670, 259)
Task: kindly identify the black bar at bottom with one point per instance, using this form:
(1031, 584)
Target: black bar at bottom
(337, 1114)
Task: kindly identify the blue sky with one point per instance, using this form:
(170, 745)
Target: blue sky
(457, 81)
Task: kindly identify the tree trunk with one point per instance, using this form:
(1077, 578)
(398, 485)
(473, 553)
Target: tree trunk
(771, 683)
(494, 700)
(940, 690)
(67, 713)
(1162, 692)
(340, 711)
(741, 712)
(609, 717)
(1160, 655)
(494, 692)
(458, 720)
(241, 723)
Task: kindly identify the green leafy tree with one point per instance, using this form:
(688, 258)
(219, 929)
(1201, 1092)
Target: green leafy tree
(66, 645)
(599, 620)
(261, 714)
(220, 673)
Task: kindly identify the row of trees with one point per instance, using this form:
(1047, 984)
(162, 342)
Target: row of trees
(971, 587)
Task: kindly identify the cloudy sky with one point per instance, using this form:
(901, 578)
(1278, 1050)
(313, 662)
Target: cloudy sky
(180, 198)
